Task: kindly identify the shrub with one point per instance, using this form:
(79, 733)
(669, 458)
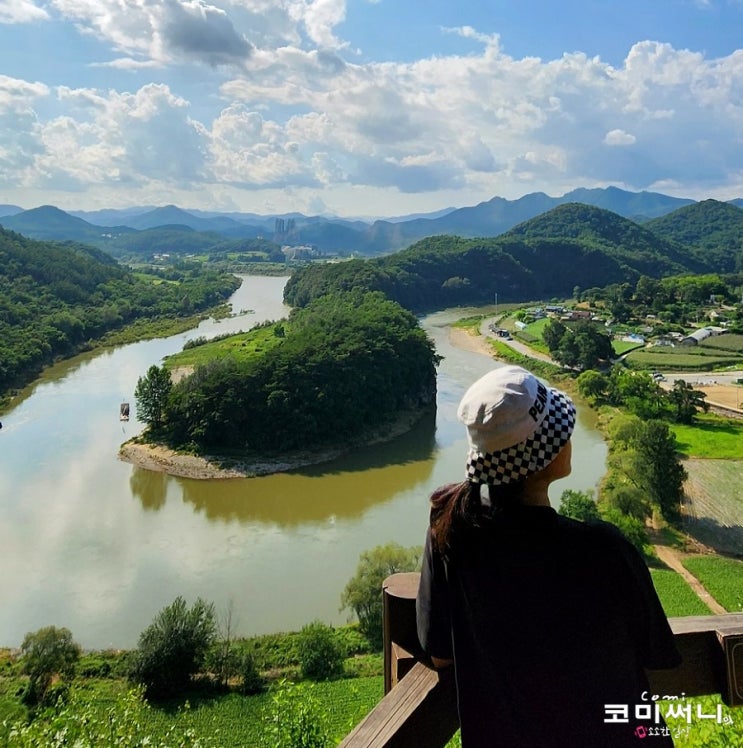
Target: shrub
(251, 681)
(321, 654)
(46, 653)
(297, 718)
(173, 647)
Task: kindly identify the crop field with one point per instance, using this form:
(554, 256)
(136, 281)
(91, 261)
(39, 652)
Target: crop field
(695, 359)
(722, 577)
(241, 721)
(676, 597)
(725, 342)
(713, 507)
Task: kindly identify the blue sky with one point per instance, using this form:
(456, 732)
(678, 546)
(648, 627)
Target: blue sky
(365, 108)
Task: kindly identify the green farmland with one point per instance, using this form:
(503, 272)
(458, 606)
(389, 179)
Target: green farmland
(686, 358)
(676, 597)
(722, 577)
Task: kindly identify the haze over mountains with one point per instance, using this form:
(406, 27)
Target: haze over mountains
(142, 231)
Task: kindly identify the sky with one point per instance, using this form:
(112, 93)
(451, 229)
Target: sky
(365, 108)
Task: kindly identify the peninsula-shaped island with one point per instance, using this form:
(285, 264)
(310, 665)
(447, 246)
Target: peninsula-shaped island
(346, 370)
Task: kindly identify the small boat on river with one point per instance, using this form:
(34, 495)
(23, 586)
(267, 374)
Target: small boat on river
(124, 412)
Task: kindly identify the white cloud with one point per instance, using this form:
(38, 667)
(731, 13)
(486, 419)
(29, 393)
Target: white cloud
(619, 137)
(162, 30)
(21, 11)
(120, 139)
(296, 114)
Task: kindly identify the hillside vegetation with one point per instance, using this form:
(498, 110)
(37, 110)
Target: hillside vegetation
(571, 245)
(711, 229)
(345, 364)
(55, 300)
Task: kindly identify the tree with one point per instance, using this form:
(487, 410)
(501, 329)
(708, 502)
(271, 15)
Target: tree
(47, 652)
(629, 500)
(172, 648)
(638, 392)
(592, 384)
(578, 505)
(553, 333)
(151, 395)
(363, 593)
(321, 654)
(686, 401)
(594, 346)
(658, 467)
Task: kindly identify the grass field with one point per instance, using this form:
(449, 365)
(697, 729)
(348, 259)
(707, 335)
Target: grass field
(241, 346)
(711, 436)
(676, 597)
(722, 577)
(713, 509)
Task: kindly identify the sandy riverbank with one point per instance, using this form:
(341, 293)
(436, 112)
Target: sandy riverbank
(461, 338)
(208, 467)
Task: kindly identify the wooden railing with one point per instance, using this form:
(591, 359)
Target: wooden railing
(419, 707)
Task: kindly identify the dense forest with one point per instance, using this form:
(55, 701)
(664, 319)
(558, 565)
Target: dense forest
(55, 299)
(344, 364)
(549, 256)
(713, 230)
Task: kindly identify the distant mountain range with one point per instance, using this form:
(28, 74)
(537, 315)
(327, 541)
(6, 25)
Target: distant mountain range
(548, 256)
(132, 232)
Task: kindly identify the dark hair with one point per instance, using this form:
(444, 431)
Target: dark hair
(459, 505)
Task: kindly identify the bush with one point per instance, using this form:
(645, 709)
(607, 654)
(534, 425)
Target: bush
(298, 719)
(632, 528)
(173, 647)
(363, 593)
(321, 654)
(251, 681)
(46, 653)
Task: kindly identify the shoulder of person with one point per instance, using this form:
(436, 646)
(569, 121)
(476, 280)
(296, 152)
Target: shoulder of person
(597, 530)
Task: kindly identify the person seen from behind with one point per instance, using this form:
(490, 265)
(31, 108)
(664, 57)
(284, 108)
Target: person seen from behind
(548, 621)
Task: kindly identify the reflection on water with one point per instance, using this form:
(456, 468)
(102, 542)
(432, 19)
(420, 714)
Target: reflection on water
(99, 546)
(316, 493)
(150, 487)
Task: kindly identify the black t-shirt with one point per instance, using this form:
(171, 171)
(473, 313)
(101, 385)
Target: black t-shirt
(549, 620)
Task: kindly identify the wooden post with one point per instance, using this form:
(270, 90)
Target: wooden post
(398, 624)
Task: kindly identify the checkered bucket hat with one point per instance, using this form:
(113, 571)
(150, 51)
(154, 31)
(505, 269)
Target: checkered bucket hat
(516, 425)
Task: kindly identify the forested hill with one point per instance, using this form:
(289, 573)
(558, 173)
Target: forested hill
(337, 368)
(56, 299)
(634, 244)
(713, 230)
(566, 247)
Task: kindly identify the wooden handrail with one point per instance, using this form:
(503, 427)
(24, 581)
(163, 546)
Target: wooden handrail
(419, 706)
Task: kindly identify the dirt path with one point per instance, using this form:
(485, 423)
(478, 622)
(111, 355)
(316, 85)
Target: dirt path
(672, 558)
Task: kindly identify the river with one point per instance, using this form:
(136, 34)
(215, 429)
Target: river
(99, 546)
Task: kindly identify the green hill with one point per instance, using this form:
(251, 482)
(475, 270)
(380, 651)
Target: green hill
(619, 237)
(56, 299)
(712, 229)
(346, 353)
(48, 223)
(548, 256)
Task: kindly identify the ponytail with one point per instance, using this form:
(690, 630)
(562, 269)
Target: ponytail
(457, 504)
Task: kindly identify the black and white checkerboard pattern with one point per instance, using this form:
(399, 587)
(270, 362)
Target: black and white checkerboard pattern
(531, 455)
